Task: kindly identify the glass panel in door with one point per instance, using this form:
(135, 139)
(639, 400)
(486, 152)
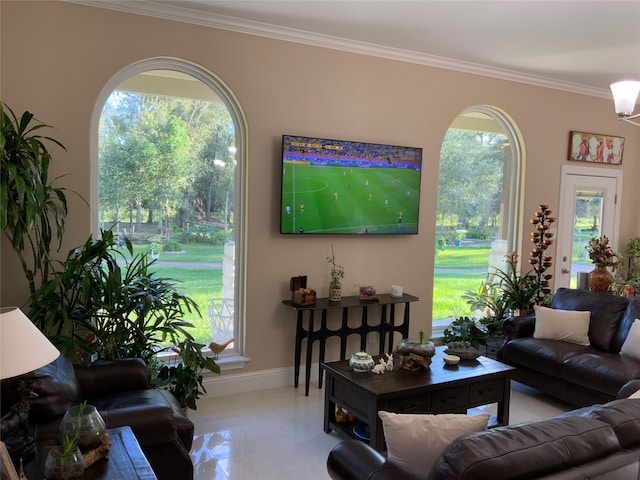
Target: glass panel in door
(587, 224)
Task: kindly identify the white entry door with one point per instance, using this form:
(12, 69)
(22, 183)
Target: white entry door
(588, 208)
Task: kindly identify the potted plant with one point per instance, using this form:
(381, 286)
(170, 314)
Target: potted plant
(184, 379)
(32, 209)
(100, 305)
(465, 329)
(337, 273)
(518, 292)
(630, 281)
(603, 257)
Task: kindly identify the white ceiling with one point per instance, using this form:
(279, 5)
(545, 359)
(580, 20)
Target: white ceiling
(580, 46)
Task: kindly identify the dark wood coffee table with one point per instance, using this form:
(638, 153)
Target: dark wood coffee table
(442, 389)
(125, 461)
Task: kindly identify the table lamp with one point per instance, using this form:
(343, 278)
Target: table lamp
(23, 349)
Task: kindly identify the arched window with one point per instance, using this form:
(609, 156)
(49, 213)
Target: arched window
(169, 173)
(478, 207)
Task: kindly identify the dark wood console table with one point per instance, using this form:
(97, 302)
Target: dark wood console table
(125, 461)
(385, 327)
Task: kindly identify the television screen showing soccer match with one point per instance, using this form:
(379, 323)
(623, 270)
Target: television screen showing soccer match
(343, 187)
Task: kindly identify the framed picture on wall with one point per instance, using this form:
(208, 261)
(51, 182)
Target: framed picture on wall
(594, 147)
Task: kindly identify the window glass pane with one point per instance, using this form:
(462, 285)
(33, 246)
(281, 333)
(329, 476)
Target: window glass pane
(167, 167)
(587, 224)
(473, 232)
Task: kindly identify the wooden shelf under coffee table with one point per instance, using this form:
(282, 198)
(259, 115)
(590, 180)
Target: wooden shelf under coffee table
(442, 389)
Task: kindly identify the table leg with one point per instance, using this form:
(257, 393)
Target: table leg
(376, 439)
(363, 329)
(307, 367)
(323, 339)
(405, 324)
(382, 331)
(503, 406)
(329, 406)
(296, 360)
(343, 333)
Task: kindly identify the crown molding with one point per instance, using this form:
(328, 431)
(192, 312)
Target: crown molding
(177, 13)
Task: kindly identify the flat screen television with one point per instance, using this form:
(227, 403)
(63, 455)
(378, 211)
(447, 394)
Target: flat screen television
(338, 187)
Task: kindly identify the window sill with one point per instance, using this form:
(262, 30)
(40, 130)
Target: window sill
(225, 362)
(232, 362)
(438, 326)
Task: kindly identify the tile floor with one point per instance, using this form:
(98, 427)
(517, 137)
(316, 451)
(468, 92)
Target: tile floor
(277, 434)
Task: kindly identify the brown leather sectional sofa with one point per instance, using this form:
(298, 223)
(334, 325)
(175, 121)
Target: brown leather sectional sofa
(123, 395)
(599, 442)
(578, 374)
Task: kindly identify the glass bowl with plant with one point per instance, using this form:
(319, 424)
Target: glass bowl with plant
(64, 461)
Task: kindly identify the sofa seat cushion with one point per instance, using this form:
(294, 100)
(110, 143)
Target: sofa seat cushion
(606, 314)
(527, 450)
(602, 372)
(543, 355)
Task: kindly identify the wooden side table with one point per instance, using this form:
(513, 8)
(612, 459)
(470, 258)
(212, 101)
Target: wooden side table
(385, 327)
(125, 461)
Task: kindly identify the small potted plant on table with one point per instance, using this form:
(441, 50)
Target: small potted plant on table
(337, 273)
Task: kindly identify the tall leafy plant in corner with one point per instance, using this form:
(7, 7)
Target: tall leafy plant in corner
(101, 303)
(32, 209)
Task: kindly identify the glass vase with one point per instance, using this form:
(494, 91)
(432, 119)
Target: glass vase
(60, 466)
(84, 424)
(599, 279)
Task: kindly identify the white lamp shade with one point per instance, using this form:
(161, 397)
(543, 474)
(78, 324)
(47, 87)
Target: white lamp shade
(23, 348)
(624, 97)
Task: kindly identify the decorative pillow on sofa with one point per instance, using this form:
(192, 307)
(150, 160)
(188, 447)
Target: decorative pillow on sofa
(415, 441)
(567, 325)
(631, 346)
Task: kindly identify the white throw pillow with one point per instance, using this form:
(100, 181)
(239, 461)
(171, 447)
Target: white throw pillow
(415, 441)
(567, 325)
(631, 346)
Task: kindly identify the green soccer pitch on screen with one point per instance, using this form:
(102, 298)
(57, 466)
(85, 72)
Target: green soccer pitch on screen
(340, 187)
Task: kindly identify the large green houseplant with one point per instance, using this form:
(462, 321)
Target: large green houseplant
(101, 304)
(32, 209)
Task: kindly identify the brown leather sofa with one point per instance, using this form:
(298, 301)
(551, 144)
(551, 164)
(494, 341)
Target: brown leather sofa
(601, 442)
(580, 375)
(122, 393)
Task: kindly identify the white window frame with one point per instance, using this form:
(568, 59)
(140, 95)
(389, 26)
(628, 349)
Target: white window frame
(237, 358)
(512, 197)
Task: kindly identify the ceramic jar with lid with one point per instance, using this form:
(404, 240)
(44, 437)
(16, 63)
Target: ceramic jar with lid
(361, 362)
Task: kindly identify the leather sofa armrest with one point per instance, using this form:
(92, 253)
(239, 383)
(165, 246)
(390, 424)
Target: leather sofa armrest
(354, 460)
(517, 327)
(629, 388)
(106, 377)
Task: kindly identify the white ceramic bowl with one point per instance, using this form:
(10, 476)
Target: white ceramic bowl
(451, 359)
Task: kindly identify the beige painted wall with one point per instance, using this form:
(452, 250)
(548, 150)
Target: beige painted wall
(57, 57)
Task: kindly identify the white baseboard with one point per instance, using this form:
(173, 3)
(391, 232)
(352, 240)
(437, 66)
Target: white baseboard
(230, 384)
